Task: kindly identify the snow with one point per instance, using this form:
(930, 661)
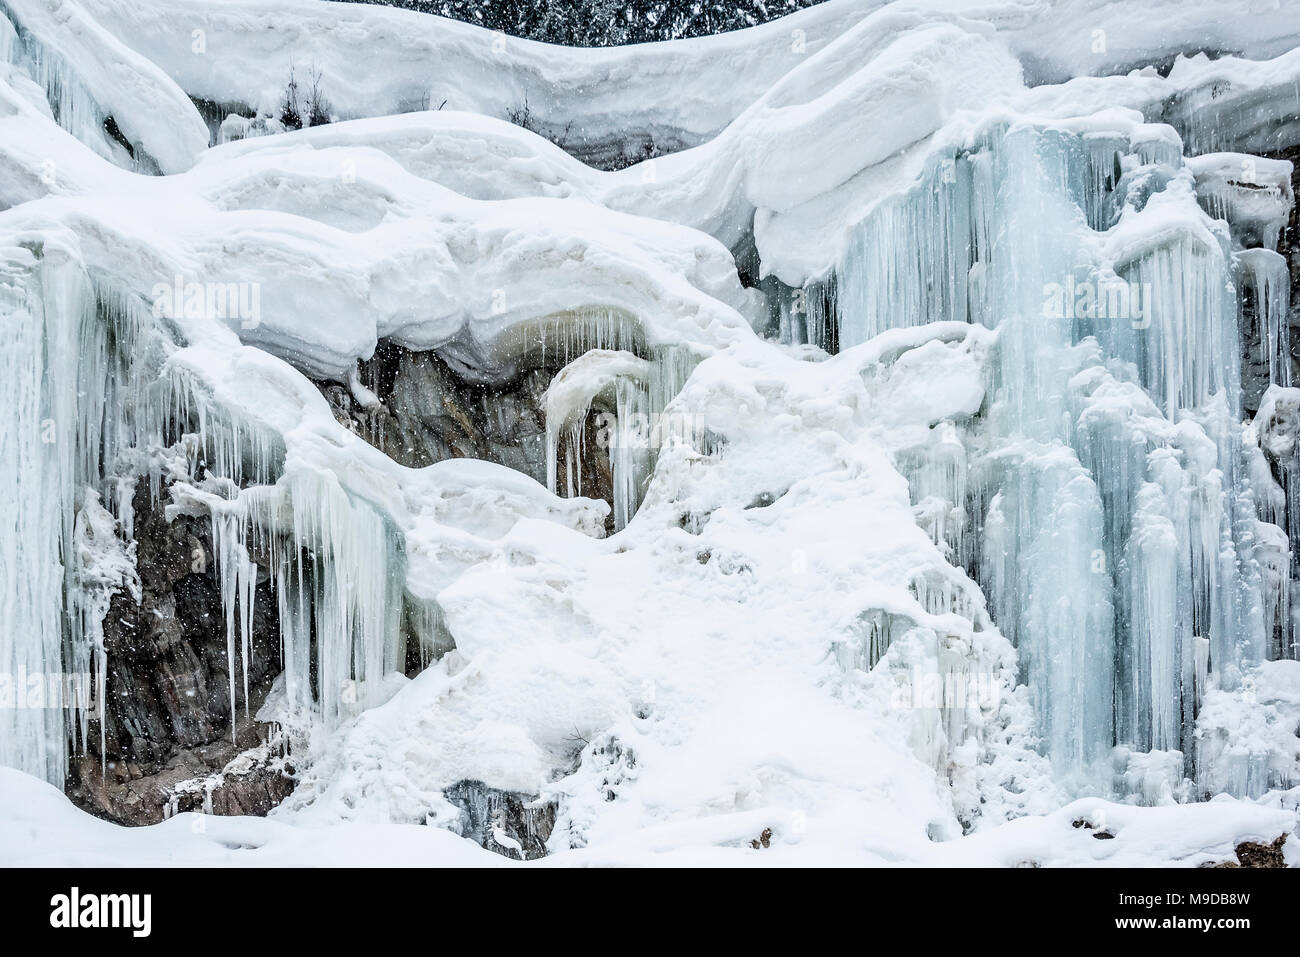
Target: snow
(1247, 736)
(248, 46)
(485, 275)
(248, 49)
(1055, 510)
(39, 827)
(42, 829)
(90, 75)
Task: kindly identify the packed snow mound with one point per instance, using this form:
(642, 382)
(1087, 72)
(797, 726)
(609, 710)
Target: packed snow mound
(574, 634)
(590, 96)
(899, 77)
(903, 77)
(41, 828)
(914, 365)
(753, 184)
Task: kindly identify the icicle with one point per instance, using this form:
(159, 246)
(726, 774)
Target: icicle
(1273, 445)
(1251, 193)
(908, 262)
(1266, 276)
(1043, 558)
(870, 635)
(1273, 554)
(356, 580)
(59, 380)
(1180, 331)
(640, 393)
(804, 316)
(1050, 596)
(940, 594)
(1117, 532)
(236, 574)
(88, 392)
(629, 451)
(937, 473)
(1155, 646)
(339, 575)
(1087, 168)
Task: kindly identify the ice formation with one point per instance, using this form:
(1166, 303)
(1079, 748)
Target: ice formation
(921, 363)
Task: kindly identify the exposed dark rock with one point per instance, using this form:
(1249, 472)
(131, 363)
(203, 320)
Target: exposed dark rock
(694, 522)
(252, 783)
(1289, 246)
(764, 499)
(433, 415)
(488, 812)
(1254, 854)
(241, 778)
(112, 131)
(427, 414)
(1085, 824)
(214, 113)
(167, 703)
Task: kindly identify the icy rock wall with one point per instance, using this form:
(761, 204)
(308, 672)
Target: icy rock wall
(87, 411)
(1095, 483)
(34, 740)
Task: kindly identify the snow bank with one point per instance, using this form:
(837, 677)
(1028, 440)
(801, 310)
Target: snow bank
(40, 828)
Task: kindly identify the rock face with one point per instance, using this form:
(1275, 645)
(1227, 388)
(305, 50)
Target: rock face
(1254, 854)
(500, 820)
(1289, 246)
(432, 415)
(426, 414)
(251, 784)
(167, 706)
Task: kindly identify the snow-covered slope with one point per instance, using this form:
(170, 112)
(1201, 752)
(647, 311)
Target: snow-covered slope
(919, 364)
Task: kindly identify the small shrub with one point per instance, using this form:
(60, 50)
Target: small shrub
(299, 109)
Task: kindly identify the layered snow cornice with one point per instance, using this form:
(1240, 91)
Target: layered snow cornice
(426, 266)
(869, 91)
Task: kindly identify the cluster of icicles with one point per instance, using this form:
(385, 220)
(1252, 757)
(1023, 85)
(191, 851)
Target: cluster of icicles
(92, 405)
(72, 105)
(635, 395)
(1103, 498)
